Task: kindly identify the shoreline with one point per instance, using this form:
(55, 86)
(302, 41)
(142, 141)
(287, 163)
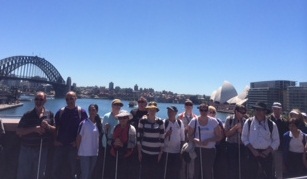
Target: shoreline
(9, 106)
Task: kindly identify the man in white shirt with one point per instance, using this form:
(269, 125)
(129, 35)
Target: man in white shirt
(173, 141)
(260, 135)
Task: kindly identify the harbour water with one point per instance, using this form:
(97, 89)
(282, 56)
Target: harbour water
(104, 106)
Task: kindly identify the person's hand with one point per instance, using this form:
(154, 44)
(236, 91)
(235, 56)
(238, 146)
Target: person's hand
(197, 141)
(107, 127)
(40, 130)
(256, 153)
(265, 153)
(140, 156)
(44, 124)
(168, 133)
(239, 127)
(160, 156)
(118, 143)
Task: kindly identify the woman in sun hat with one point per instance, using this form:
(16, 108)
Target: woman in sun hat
(122, 145)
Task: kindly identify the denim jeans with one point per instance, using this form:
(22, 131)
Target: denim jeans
(28, 162)
(87, 166)
(65, 162)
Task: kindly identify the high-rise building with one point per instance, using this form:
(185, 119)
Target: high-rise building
(297, 97)
(269, 92)
(136, 87)
(111, 86)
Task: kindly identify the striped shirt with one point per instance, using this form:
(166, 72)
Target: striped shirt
(151, 136)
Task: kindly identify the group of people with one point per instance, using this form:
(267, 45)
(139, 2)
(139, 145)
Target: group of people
(139, 144)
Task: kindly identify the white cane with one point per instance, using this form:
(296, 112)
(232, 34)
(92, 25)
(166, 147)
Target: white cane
(165, 169)
(116, 164)
(239, 147)
(200, 155)
(104, 154)
(39, 158)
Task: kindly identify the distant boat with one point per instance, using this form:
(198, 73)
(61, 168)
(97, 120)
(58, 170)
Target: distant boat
(25, 98)
(132, 104)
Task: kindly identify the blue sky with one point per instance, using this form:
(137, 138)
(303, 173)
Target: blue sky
(188, 47)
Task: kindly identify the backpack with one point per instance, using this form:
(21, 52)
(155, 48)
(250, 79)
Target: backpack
(270, 124)
(167, 122)
(63, 108)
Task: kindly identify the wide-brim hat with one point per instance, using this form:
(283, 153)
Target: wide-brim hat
(261, 105)
(124, 114)
(117, 101)
(188, 101)
(152, 105)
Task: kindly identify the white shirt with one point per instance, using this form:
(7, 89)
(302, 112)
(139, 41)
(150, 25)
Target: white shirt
(206, 131)
(259, 135)
(296, 144)
(89, 139)
(172, 143)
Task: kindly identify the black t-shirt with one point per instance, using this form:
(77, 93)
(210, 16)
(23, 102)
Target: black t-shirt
(31, 119)
(137, 115)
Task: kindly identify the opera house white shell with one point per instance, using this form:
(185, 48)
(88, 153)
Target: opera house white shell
(227, 94)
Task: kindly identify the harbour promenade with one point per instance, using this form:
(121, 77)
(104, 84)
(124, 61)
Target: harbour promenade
(9, 106)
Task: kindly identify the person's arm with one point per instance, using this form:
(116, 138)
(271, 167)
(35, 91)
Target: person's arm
(21, 131)
(78, 140)
(275, 138)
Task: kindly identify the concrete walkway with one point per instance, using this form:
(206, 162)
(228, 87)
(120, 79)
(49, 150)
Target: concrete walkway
(9, 106)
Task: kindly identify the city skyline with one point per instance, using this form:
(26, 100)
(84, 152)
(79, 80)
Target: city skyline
(178, 46)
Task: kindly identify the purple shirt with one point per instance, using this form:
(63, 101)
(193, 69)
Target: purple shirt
(67, 124)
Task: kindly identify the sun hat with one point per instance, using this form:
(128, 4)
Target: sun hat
(117, 101)
(173, 108)
(276, 105)
(261, 105)
(152, 105)
(124, 114)
(294, 111)
(188, 101)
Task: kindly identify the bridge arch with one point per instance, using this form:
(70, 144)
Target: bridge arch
(10, 64)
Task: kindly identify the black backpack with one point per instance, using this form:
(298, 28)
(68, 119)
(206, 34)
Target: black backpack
(167, 121)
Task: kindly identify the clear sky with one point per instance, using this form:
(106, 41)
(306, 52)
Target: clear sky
(184, 46)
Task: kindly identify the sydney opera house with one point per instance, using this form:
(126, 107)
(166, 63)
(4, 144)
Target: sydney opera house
(226, 96)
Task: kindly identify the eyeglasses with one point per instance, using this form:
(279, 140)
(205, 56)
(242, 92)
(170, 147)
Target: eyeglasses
(141, 102)
(259, 110)
(242, 112)
(70, 99)
(188, 104)
(117, 104)
(203, 110)
(121, 118)
(211, 112)
(39, 99)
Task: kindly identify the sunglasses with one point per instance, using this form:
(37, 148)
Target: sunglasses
(121, 118)
(188, 104)
(242, 112)
(39, 99)
(117, 104)
(259, 110)
(203, 110)
(212, 112)
(70, 99)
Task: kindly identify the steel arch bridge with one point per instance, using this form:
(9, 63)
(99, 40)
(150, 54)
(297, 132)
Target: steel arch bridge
(32, 68)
